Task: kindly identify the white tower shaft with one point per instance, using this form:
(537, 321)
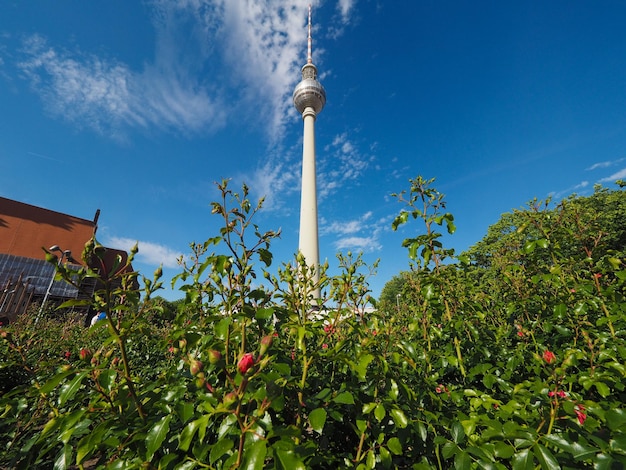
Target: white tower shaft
(309, 241)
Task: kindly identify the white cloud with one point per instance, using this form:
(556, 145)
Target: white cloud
(365, 244)
(347, 226)
(606, 164)
(568, 191)
(107, 96)
(345, 7)
(275, 180)
(342, 163)
(149, 252)
(253, 49)
(361, 234)
(621, 174)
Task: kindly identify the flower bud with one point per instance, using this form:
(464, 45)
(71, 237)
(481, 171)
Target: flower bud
(214, 356)
(195, 366)
(200, 380)
(85, 354)
(230, 398)
(266, 342)
(244, 364)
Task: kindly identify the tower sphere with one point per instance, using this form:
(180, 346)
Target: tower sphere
(309, 93)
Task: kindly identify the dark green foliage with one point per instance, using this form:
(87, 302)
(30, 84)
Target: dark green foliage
(510, 358)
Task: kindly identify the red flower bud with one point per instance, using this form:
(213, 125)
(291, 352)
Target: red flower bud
(246, 361)
(195, 367)
(549, 356)
(85, 354)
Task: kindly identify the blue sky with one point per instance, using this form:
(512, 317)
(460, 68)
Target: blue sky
(137, 108)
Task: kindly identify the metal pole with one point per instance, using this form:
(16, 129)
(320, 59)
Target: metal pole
(45, 298)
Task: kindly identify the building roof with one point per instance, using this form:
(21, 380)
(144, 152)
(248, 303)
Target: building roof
(26, 229)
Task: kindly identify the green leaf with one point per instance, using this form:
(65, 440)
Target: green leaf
(385, 457)
(289, 460)
(379, 412)
(317, 419)
(616, 419)
(523, 460)
(602, 388)
(64, 458)
(462, 461)
(184, 410)
(457, 432)
(184, 441)
(156, 435)
(344, 398)
(399, 417)
(68, 390)
(106, 379)
(529, 246)
(577, 449)
(395, 446)
(254, 455)
(361, 368)
(88, 444)
(220, 448)
(546, 458)
(54, 381)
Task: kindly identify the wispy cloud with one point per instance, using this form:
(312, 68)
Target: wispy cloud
(254, 49)
(361, 234)
(345, 7)
(621, 174)
(107, 96)
(275, 180)
(570, 190)
(149, 253)
(606, 164)
(342, 163)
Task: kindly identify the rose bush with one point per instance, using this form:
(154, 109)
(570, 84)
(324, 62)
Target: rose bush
(254, 373)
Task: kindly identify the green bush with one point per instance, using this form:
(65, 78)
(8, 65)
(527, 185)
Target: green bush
(509, 356)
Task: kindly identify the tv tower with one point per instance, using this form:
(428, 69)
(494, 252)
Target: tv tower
(309, 98)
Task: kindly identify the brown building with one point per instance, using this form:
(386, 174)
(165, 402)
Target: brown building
(25, 275)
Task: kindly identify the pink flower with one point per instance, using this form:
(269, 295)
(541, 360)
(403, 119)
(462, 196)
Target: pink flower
(67, 354)
(520, 334)
(580, 415)
(572, 290)
(244, 364)
(549, 356)
(324, 346)
(560, 394)
(597, 275)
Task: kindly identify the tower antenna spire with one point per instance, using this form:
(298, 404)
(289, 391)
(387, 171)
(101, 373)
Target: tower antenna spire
(309, 58)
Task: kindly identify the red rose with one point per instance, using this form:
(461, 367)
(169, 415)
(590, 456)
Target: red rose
(246, 361)
(549, 356)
